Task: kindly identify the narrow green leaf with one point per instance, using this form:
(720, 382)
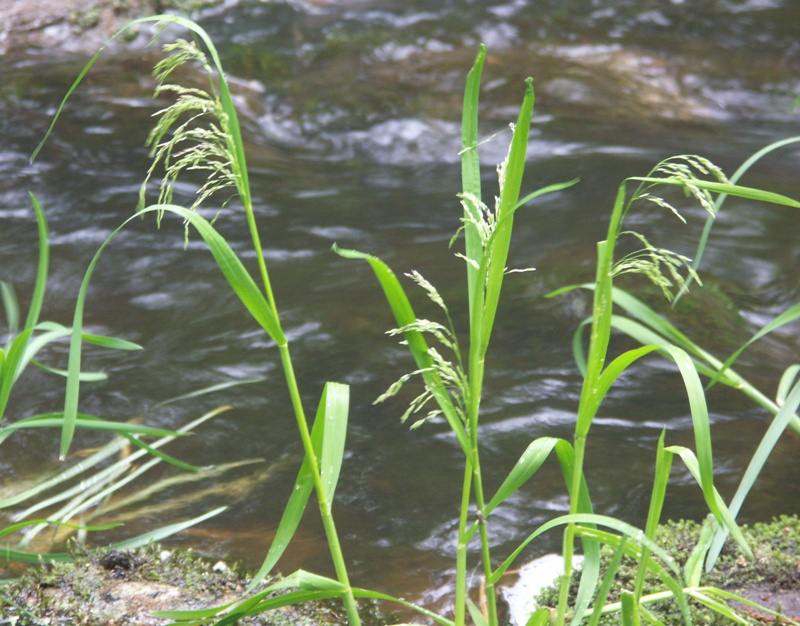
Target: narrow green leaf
(540, 617)
(304, 484)
(509, 198)
(701, 246)
(544, 191)
(785, 385)
(577, 346)
(112, 343)
(159, 534)
(35, 559)
(693, 570)
(205, 391)
(475, 613)
(84, 377)
(762, 453)
(722, 513)
(615, 368)
(587, 521)
(138, 443)
(9, 530)
(192, 617)
(42, 268)
(101, 455)
(727, 595)
(11, 306)
(644, 335)
(784, 318)
(471, 175)
(13, 363)
(700, 420)
(633, 550)
(309, 581)
(608, 580)
(56, 420)
(375, 595)
(232, 268)
(527, 465)
(739, 191)
(337, 403)
(657, 496)
(590, 576)
(566, 459)
(706, 364)
(271, 603)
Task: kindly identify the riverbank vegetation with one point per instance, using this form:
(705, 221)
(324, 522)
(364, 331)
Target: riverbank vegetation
(199, 132)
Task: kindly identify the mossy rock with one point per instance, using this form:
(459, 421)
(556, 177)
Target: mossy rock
(123, 588)
(771, 578)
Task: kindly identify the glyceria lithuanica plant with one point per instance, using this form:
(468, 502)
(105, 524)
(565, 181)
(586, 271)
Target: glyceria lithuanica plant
(210, 141)
(458, 392)
(200, 132)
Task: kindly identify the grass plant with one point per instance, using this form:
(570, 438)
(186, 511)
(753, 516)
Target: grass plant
(83, 496)
(458, 392)
(200, 131)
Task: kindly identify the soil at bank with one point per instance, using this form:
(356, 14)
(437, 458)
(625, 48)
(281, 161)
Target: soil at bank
(119, 588)
(124, 588)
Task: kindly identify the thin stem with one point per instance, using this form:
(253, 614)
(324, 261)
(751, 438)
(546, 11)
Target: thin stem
(589, 401)
(262, 264)
(461, 549)
(491, 600)
(569, 535)
(476, 371)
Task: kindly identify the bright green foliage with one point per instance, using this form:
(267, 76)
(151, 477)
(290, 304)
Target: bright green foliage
(81, 491)
(200, 131)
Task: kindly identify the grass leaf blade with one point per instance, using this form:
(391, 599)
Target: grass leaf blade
(335, 411)
(509, 198)
(471, 173)
(304, 484)
(42, 269)
(165, 531)
(762, 453)
(530, 461)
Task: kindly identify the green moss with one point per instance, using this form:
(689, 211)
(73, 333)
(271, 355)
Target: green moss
(774, 568)
(125, 587)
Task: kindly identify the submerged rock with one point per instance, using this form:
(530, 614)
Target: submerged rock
(75, 26)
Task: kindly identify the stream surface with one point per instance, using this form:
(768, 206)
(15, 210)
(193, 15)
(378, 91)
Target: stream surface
(351, 114)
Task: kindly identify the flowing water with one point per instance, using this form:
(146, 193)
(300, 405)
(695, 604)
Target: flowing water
(351, 111)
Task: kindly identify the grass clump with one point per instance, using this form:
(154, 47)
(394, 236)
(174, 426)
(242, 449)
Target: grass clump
(771, 576)
(200, 132)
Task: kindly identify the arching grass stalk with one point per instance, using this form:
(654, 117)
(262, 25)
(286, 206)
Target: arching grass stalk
(456, 391)
(200, 131)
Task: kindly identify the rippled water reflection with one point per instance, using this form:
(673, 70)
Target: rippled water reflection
(351, 111)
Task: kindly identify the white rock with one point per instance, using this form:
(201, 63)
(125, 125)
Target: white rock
(533, 577)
